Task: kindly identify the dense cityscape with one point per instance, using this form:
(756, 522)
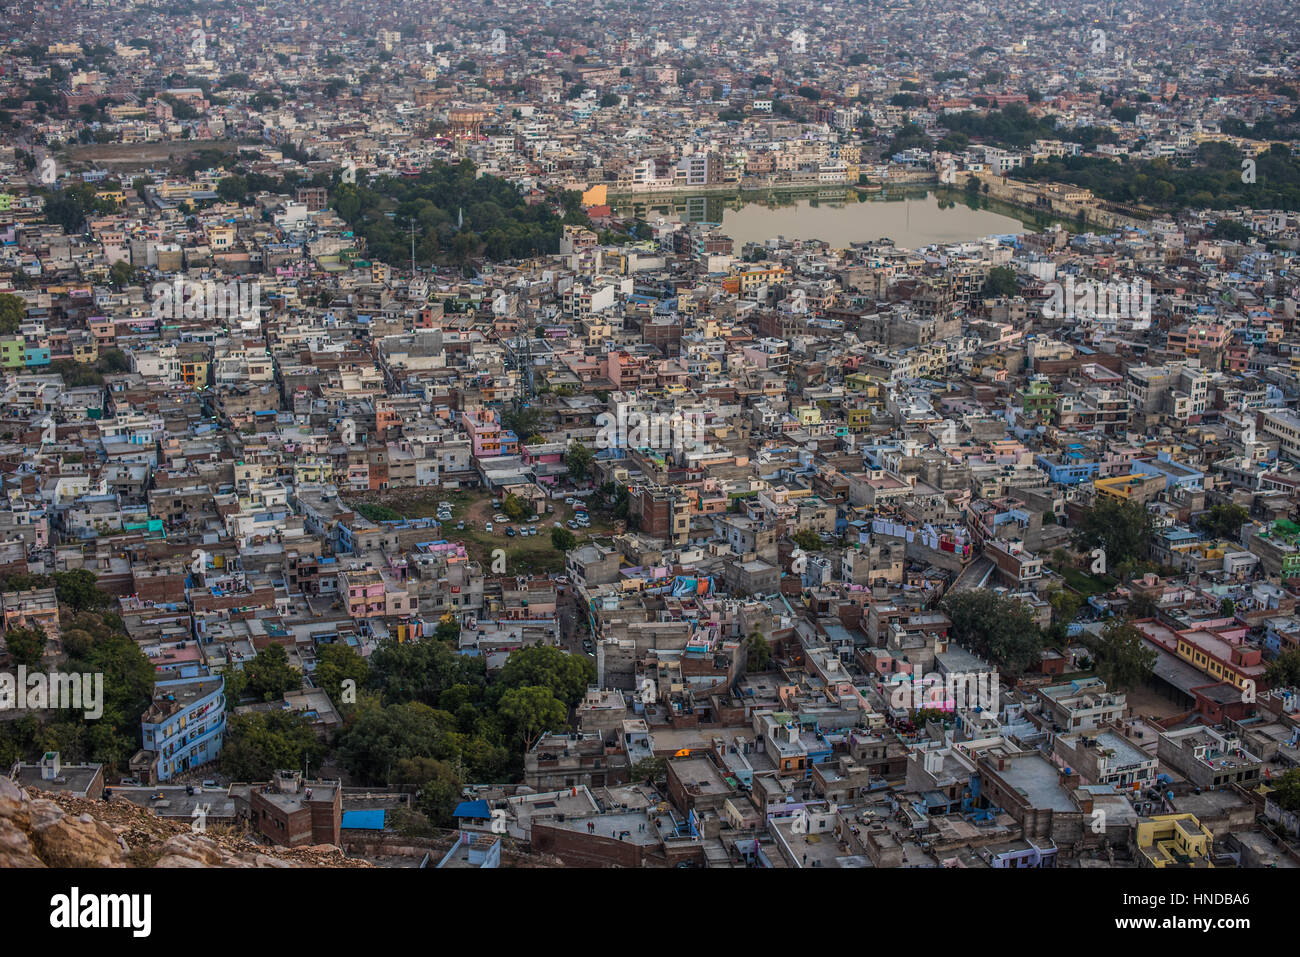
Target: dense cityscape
(760, 434)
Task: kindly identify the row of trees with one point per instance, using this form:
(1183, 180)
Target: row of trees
(1215, 181)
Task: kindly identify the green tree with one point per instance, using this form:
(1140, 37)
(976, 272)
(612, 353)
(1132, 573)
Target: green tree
(1001, 282)
(566, 676)
(270, 675)
(523, 421)
(379, 737)
(420, 670)
(995, 627)
(448, 628)
(80, 590)
(808, 540)
(13, 311)
(439, 787)
(236, 683)
(97, 643)
(1284, 670)
(1286, 790)
(578, 459)
(531, 711)
(515, 508)
(335, 664)
(1123, 529)
(121, 274)
(257, 745)
(26, 646)
(562, 539)
(1121, 658)
(653, 771)
(758, 653)
(1065, 606)
(1223, 521)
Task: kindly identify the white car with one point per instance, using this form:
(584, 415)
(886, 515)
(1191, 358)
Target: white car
(487, 527)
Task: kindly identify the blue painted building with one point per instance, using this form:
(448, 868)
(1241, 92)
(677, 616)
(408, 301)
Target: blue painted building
(185, 724)
(1068, 468)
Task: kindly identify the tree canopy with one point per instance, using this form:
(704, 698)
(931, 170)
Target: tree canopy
(458, 215)
(995, 627)
(1120, 656)
(1122, 528)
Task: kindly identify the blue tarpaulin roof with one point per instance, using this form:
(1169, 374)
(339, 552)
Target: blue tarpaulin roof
(472, 809)
(363, 820)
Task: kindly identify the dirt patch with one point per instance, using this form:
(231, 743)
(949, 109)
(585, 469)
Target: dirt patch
(168, 153)
(1145, 701)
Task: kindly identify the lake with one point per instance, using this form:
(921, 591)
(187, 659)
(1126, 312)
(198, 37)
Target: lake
(839, 216)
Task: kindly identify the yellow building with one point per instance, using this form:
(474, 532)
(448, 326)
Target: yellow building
(1173, 840)
(1136, 488)
(859, 419)
(195, 374)
(749, 278)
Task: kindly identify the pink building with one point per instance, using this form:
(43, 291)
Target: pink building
(487, 438)
(364, 588)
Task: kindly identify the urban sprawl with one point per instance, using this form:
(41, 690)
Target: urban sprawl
(400, 455)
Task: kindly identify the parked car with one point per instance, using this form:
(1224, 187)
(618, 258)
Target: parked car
(510, 532)
(460, 526)
(130, 782)
(487, 527)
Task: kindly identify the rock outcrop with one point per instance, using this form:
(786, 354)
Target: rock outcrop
(44, 829)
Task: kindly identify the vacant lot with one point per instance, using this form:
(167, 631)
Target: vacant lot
(1084, 583)
(532, 554)
(170, 153)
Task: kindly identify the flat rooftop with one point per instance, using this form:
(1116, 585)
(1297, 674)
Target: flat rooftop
(72, 778)
(1039, 781)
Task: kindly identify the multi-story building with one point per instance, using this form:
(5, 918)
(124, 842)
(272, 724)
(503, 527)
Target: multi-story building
(183, 727)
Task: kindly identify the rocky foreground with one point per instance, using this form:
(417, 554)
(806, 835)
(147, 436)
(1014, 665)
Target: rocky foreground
(44, 829)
